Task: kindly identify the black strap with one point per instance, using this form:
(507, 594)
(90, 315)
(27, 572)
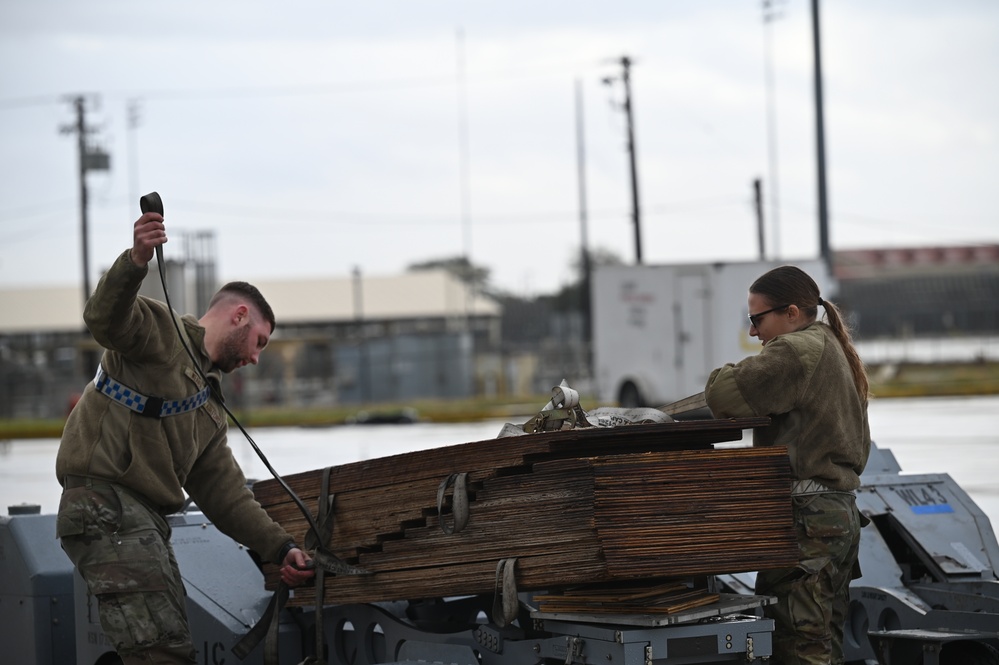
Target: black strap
(266, 629)
(324, 517)
(324, 562)
(317, 544)
(267, 625)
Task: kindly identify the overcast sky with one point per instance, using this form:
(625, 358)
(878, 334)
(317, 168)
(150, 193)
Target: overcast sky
(315, 137)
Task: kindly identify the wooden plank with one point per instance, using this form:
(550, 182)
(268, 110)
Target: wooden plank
(509, 452)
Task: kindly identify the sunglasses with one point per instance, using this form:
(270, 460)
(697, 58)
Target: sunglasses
(754, 319)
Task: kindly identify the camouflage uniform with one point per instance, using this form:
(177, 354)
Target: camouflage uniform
(813, 598)
(123, 472)
(122, 550)
(803, 382)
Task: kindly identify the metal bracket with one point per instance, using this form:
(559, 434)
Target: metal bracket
(573, 650)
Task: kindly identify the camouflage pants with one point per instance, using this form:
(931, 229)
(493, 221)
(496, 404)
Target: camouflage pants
(813, 598)
(122, 550)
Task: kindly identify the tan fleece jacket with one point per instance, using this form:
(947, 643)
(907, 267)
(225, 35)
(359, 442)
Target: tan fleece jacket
(802, 381)
(159, 458)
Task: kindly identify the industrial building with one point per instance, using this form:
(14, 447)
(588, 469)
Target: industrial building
(352, 339)
(358, 339)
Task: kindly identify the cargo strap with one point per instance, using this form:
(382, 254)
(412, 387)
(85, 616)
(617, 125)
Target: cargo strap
(564, 412)
(561, 412)
(459, 502)
(323, 559)
(314, 541)
(324, 562)
(151, 407)
(505, 600)
(265, 629)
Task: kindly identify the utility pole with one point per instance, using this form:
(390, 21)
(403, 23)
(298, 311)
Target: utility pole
(636, 216)
(758, 198)
(820, 144)
(363, 370)
(133, 153)
(463, 170)
(584, 255)
(90, 159)
(771, 14)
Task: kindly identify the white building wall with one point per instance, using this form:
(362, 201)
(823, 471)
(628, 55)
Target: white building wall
(425, 294)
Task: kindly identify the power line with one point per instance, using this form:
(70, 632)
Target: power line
(36, 228)
(531, 217)
(60, 208)
(28, 102)
(315, 89)
(28, 212)
(292, 216)
(907, 225)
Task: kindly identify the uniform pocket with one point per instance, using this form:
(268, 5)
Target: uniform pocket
(125, 576)
(70, 520)
(88, 512)
(137, 606)
(826, 519)
(828, 529)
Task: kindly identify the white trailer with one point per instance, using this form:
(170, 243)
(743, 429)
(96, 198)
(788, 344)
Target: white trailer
(658, 331)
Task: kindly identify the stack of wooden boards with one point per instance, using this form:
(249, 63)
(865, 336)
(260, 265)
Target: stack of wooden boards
(573, 508)
(667, 597)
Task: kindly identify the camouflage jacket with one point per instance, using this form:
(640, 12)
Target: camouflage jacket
(803, 382)
(159, 458)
